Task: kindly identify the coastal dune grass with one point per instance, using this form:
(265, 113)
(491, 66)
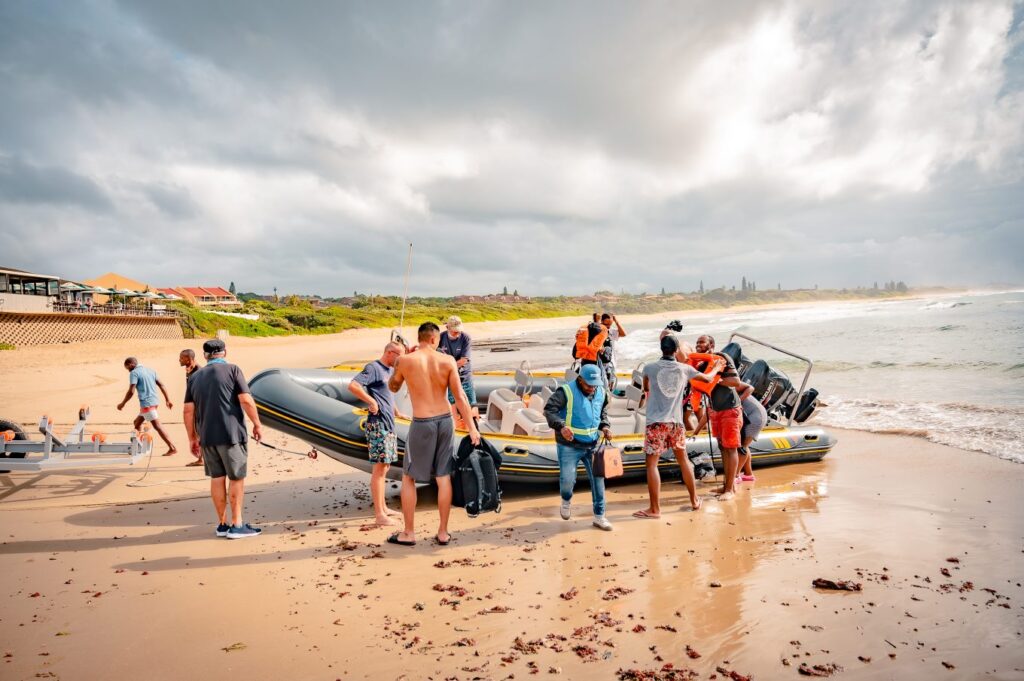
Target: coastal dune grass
(293, 315)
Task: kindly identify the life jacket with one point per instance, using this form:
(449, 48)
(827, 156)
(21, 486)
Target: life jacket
(589, 342)
(713, 364)
(607, 349)
(582, 413)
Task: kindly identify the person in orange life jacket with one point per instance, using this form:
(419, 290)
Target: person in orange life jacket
(726, 415)
(589, 342)
(578, 413)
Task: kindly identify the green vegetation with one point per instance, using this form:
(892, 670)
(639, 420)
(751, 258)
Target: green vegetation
(6, 346)
(294, 315)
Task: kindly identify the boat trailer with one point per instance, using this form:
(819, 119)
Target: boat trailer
(75, 451)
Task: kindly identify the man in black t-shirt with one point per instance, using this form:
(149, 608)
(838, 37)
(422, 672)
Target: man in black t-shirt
(726, 417)
(216, 396)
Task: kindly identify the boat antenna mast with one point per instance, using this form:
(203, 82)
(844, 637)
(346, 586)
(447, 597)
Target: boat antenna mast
(405, 296)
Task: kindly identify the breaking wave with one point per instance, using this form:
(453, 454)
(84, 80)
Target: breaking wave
(994, 430)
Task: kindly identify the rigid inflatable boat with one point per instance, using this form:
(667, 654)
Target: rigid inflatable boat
(315, 405)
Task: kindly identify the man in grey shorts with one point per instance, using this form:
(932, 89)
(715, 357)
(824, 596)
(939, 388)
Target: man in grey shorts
(219, 394)
(432, 439)
(429, 375)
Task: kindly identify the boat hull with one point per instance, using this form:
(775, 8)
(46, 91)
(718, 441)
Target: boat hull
(316, 406)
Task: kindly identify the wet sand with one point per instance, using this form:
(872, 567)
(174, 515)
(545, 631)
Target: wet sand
(104, 580)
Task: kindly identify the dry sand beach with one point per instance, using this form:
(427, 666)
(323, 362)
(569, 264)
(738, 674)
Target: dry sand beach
(107, 580)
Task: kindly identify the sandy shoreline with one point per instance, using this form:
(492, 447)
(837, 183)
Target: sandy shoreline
(106, 580)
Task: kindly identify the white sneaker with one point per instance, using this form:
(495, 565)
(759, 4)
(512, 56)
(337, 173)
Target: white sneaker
(601, 523)
(566, 509)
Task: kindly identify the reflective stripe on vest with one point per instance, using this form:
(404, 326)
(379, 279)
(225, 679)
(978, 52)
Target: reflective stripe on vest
(589, 411)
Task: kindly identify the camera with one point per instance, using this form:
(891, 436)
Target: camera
(674, 325)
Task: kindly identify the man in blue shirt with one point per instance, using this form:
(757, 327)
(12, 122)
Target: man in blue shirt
(458, 344)
(371, 386)
(147, 382)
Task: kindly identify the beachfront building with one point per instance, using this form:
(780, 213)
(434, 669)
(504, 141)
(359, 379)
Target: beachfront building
(22, 291)
(116, 282)
(37, 309)
(208, 296)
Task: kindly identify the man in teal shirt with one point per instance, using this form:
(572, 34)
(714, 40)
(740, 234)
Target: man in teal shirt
(146, 381)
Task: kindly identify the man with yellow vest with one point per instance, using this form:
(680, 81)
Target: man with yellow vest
(578, 413)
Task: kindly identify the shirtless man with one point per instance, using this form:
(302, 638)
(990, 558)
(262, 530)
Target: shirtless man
(430, 443)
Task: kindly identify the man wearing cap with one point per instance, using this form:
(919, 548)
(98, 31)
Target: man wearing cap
(458, 344)
(578, 413)
(215, 399)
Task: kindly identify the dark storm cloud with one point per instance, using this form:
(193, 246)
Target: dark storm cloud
(550, 148)
(22, 182)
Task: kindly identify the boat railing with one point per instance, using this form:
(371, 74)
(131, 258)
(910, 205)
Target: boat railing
(807, 374)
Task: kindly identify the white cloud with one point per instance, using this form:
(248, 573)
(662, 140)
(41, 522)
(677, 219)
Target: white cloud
(794, 130)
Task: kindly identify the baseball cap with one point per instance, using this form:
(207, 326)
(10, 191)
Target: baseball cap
(454, 322)
(591, 375)
(213, 346)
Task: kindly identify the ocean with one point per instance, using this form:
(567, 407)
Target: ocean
(948, 368)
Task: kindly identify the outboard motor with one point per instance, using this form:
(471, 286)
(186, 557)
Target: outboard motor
(808, 403)
(776, 392)
(735, 353)
(771, 387)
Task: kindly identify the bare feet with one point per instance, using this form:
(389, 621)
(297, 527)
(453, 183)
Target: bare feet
(696, 503)
(171, 452)
(392, 512)
(648, 513)
(385, 521)
(726, 496)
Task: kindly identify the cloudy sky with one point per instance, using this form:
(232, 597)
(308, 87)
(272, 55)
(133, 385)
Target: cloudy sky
(551, 147)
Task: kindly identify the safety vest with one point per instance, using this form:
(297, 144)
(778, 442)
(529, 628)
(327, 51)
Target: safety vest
(586, 348)
(582, 413)
(715, 364)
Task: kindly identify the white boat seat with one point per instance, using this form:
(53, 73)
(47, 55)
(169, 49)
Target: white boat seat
(530, 422)
(501, 404)
(539, 399)
(628, 404)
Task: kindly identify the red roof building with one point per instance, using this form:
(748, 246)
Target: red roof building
(207, 296)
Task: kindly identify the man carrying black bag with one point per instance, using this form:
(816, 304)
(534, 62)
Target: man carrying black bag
(475, 477)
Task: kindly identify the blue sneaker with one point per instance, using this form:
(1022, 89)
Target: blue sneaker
(222, 530)
(243, 531)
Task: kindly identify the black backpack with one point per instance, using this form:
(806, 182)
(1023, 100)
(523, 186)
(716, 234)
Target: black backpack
(475, 478)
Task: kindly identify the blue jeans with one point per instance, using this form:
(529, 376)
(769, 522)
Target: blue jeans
(568, 459)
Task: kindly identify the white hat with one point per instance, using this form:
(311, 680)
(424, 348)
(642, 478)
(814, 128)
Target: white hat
(454, 322)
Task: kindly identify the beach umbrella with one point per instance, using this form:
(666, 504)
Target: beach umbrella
(150, 294)
(72, 286)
